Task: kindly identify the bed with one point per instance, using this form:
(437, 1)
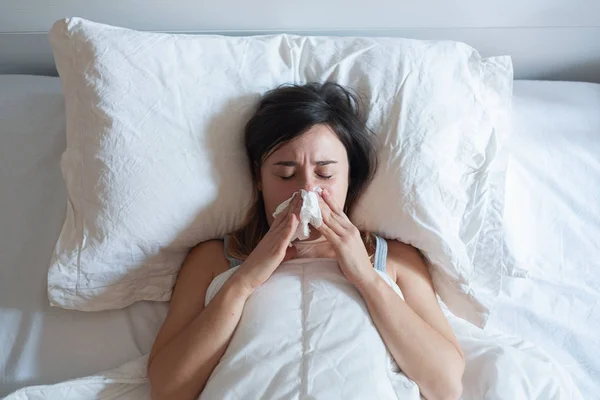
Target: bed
(551, 221)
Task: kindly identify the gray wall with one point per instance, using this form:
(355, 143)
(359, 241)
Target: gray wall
(548, 39)
(38, 15)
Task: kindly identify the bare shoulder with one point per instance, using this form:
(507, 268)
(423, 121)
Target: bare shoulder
(405, 262)
(202, 264)
(211, 254)
(207, 248)
(402, 252)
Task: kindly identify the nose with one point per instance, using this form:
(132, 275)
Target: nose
(307, 182)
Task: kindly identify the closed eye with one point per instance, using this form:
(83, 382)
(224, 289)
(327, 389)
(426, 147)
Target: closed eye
(285, 178)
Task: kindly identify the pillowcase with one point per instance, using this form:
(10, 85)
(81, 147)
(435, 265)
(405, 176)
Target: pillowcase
(155, 161)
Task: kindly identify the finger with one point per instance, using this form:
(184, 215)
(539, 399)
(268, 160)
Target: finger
(326, 195)
(281, 236)
(279, 218)
(289, 228)
(325, 209)
(295, 204)
(283, 226)
(338, 213)
(330, 219)
(329, 234)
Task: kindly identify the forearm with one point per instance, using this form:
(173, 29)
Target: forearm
(422, 353)
(182, 367)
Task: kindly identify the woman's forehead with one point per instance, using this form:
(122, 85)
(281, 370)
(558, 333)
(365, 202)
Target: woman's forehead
(318, 143)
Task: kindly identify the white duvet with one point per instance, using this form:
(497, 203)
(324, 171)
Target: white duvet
(306, 333)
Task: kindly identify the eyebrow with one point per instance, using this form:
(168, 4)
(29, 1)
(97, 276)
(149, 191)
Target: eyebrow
(294, 163)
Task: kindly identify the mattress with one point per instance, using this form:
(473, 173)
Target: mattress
(552, 225)
(39, 343)
(551, 219)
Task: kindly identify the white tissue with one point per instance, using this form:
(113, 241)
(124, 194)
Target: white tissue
(310, 213)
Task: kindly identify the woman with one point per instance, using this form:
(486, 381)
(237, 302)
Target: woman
(299, 138)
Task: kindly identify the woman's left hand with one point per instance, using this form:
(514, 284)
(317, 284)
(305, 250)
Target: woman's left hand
(345, 238)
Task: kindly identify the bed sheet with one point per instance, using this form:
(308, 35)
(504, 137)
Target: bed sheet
(552, 225)
(39, 343)
(553, 184)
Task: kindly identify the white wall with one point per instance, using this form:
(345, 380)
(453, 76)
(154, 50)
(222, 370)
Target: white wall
(548, 39)
(38, 15)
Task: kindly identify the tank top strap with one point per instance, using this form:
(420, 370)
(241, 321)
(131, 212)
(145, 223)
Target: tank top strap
(233, 262)
(381, 249)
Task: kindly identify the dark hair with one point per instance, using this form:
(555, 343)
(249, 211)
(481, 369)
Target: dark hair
(287, 112)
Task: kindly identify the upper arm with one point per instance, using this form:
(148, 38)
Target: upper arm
(408, 269)
(202, 264)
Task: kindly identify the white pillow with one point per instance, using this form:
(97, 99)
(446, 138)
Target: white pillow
(155, 161)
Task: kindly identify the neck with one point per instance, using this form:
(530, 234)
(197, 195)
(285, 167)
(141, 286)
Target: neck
(317, 247)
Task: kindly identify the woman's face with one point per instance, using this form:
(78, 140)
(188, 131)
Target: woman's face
(316, 158)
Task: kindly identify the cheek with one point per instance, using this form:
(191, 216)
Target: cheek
(274, 192)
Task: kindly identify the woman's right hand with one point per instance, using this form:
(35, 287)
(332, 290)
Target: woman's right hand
(272, 250)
